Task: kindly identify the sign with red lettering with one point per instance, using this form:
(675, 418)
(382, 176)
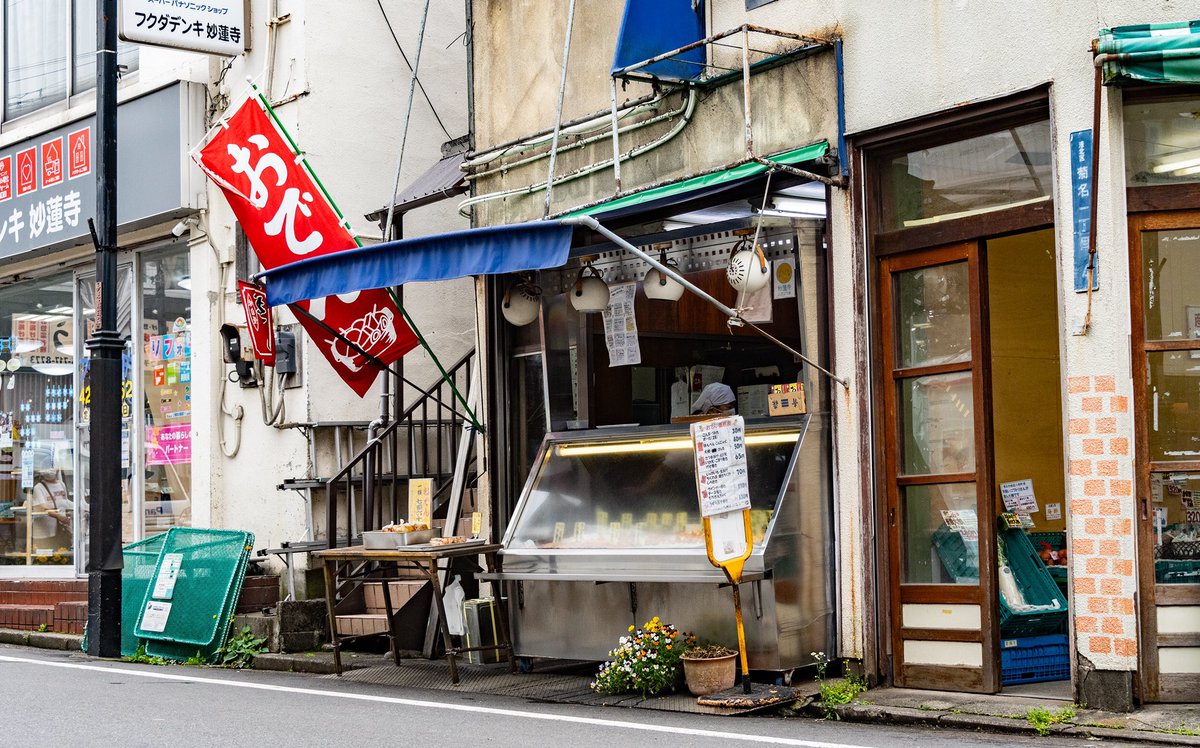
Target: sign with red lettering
(287, 217)
(52, 162)
(27, 170)
(258, 321)
(6, 184)
(79, 150)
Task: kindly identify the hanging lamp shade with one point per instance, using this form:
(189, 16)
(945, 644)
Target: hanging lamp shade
(590, 293)
(659, 285)
(521, 303)
(748, 269)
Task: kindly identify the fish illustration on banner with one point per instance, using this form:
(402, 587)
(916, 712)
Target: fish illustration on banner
(286, 217)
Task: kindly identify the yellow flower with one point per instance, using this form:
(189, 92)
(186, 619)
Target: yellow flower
(631, 629)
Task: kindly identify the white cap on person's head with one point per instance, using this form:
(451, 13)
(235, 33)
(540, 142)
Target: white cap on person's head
(715, 395)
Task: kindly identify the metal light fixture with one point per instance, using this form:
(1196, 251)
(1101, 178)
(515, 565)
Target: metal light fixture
(522, 302)
(748, 269)
(659, 285)
(590, 293)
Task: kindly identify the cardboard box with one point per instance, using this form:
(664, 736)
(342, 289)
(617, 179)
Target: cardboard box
(786, 400)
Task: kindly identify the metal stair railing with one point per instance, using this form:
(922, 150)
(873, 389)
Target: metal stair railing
(422, 442)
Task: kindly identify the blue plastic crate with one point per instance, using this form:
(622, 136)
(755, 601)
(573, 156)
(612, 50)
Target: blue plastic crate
(1034, 659)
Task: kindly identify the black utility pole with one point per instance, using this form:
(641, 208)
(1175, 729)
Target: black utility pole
(104, 539)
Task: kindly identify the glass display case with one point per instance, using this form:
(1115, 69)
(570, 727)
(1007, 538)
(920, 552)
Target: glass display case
(623, 507)
(608, 526)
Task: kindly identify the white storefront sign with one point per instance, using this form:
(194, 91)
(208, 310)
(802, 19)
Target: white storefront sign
(219, 27)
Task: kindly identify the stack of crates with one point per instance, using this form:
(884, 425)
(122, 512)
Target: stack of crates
(1034, 646)
(211, 571)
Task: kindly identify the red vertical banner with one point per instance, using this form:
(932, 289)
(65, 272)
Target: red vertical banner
(286, 217)
(258, 321)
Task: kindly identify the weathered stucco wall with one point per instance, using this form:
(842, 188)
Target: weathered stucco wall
(902, 60)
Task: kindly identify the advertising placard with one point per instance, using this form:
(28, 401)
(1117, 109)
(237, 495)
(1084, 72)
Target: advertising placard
(722, 481)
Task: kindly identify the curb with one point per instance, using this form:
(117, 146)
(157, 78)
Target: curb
(900, 715)
(293, 663)
(42, 640)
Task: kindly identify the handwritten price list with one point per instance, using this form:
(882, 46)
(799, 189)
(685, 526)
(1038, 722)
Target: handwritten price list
(721, 476)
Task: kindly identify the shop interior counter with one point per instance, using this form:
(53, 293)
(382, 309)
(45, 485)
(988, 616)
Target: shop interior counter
(608, 526)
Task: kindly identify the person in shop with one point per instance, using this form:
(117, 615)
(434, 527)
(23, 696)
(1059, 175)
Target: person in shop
(52, 509)
(716, 399)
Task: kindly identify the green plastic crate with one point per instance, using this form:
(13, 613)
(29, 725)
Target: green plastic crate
(206, 590)
(962, 562)
(1037, 585)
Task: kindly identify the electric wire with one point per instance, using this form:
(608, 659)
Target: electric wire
(428, 101)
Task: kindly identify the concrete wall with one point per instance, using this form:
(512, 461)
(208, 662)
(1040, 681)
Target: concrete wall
(340, 86)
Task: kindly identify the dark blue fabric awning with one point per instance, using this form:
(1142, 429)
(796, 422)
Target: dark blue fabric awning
(484, 251)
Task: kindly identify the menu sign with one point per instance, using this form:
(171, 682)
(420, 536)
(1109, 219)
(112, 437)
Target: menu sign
(722, 480)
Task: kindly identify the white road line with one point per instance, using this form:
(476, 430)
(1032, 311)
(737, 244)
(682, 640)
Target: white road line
(437, 705)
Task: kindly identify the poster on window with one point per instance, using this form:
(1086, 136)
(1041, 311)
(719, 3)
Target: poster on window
(169, 445)
(620, 326)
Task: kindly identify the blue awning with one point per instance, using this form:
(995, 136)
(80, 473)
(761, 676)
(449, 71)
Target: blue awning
(491, 250)
(650, 28)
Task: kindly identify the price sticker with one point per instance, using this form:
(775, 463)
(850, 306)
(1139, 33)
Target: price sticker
(681, 521)
(602, 518)
(476, 523)
(627, 520)
(580, 527)
(560, 529)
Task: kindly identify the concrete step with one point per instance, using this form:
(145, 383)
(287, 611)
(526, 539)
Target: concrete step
(360, 624)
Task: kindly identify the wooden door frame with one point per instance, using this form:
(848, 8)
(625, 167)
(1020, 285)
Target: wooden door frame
(987, 678)
(1151, 593)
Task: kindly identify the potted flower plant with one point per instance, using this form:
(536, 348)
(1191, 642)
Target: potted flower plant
(709, 668)
(645, 661)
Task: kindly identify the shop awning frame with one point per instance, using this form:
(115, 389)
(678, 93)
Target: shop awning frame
(490, 250)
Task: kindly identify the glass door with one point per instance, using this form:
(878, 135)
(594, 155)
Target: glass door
(941, 535)
(85, 322)
(1165, 269)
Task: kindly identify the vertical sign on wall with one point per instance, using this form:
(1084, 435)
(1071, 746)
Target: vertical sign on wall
(1081, 207)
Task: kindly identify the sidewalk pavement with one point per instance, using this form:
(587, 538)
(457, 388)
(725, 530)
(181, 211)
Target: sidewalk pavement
(565, 682)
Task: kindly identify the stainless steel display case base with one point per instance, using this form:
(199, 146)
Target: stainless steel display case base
(584, 620)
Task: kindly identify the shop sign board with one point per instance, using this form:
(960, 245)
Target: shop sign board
(420, 500)
(786, 400)
(219, 27)
(1081, 208)
(48, 182)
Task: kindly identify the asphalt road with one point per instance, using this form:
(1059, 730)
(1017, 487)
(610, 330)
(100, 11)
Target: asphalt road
(66, 699)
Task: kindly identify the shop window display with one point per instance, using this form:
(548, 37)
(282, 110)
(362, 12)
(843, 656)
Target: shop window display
(39, 505)
(166, 374)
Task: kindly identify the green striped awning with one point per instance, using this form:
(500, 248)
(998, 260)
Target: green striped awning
(1152, 52)
(692, 187)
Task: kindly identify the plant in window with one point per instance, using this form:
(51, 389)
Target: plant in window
(646, 661)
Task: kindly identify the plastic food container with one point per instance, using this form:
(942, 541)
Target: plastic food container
(382, 541)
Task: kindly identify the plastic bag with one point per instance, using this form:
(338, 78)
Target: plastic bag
(453, 601)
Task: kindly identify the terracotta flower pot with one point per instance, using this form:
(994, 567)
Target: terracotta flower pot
(709, 675)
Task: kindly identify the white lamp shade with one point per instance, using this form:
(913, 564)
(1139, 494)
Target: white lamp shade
(661, 286)
(521, 304)
(746, 272)
(589, 295)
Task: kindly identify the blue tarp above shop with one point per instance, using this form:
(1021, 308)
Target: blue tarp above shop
(652, 27)
(484, 251)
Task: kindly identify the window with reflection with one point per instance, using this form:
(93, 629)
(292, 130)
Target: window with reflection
(39, 502)
(1162, 142)
(167, 386)
(1002, 169)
